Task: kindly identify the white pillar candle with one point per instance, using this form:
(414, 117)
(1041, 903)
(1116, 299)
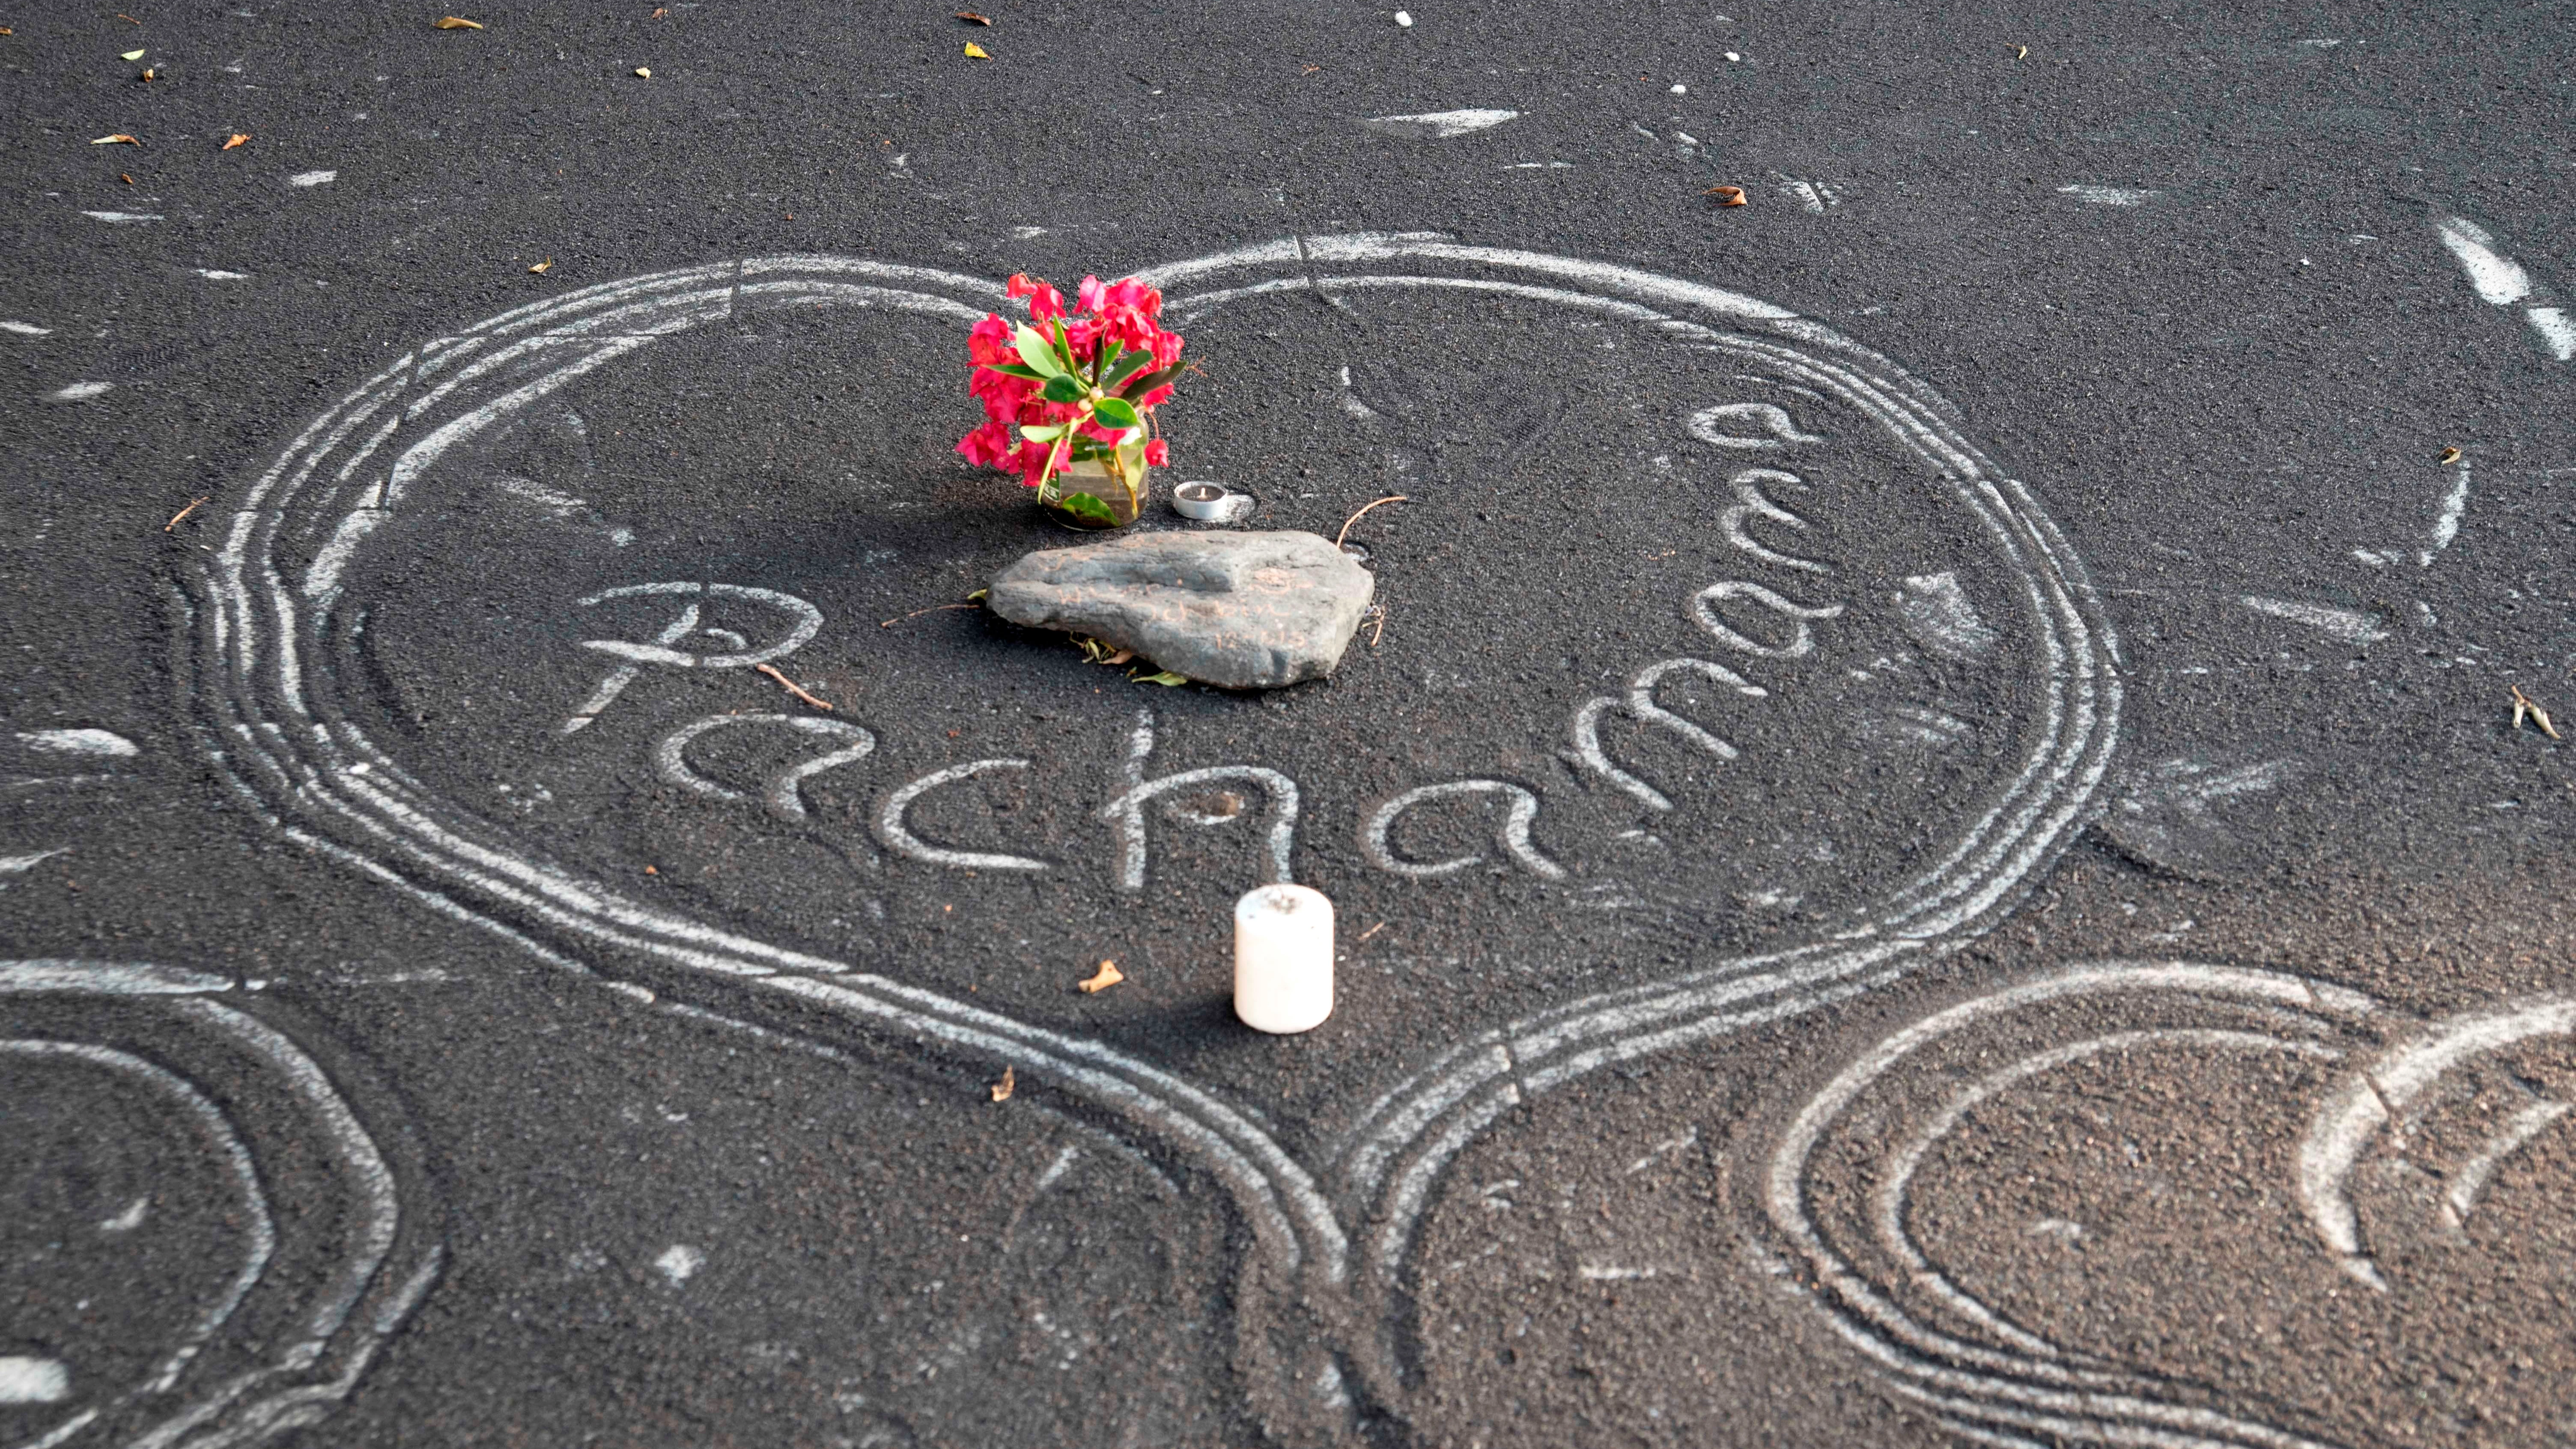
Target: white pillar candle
(1283, 958)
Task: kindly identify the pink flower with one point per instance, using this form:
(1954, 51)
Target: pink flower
(1158, 454)
(1002, 393)
(1153, 398)
(990, 343)
(1133, 293)
(988, 446)
(1088, 296)
(1020, 286)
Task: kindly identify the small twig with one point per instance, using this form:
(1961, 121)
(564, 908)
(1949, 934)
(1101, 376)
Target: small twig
(192, 507)
(1377, 629)
(1356, 517)
(933, 609)
(2523, 705)
(791, 686)
(1371, 931)
(1002, 1089)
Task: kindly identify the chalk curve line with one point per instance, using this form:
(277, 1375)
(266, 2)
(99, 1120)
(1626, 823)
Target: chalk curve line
(325, 1299)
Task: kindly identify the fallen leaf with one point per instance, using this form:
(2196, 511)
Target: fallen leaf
(125, 176)
(131, 55)
(1726, 195)
(978, 595)
(1109, 976)
(976, 52)
(2450, 456)
(128, 19)
(1165, 678)
(1002, 1088)
(971, 18)
(661, 10)
(238, 138)
(540, 267)
(119, 139)
(648, 870)
(2522, 705)
(2021, 52)
(1121, 657)
(147, 74)
(456, 22)
(644, 71)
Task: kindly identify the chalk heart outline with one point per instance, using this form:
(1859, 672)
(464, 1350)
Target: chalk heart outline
(1927, 1335)
(1321, 1299)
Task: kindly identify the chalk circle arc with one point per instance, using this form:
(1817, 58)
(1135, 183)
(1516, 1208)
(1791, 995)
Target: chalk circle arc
(329, 1244)
(275, 607)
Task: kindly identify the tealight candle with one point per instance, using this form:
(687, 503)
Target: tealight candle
(1283, 958)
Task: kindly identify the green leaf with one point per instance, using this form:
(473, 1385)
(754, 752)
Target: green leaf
(1036, 351)
(1113, 412)
(1016, 370)
(1131, 458)
(1042, 432)
(1127, 367)
(1087, 508)
(978, 595)
(1147, 382)
(1164, 677)
(1064, 387)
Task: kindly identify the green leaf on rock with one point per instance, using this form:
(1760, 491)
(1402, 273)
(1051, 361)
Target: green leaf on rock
(1164, 677)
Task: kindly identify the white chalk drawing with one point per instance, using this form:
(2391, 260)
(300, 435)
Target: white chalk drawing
(2097, 195)
(1513, 834)
(784, 791)
(2501, 281)
(1801, 640)
(1127, 810)
(288, 1319)
(1938, 1345)
(2352, 626)
(804, 621)
(1640, 706)
(898, 836)
(275, 630)
(1771, 427)
(1751, 502)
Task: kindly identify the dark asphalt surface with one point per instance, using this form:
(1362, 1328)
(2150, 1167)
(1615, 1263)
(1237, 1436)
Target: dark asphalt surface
(2075, 950)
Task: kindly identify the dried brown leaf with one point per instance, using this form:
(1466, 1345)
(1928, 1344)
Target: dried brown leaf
(644, 72)
(971, 18)
(540, 268)
(148, 75)
(1109, 975)
(1002, 1089)
(2450, 456)
(1726, 195)
(456, 22)
(237, 138)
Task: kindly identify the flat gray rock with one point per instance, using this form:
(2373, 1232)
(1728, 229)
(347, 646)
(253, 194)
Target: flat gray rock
(1237, 610)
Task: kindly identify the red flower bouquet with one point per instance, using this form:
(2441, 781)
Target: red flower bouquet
(1081, 386)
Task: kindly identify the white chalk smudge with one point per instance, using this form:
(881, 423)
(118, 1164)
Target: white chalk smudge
(2454, 508)
(122, 218)
(2350, 625)
(312, 178)
(1540, 166)
(79, 392)
(1935, 610)
(26, 329)
(1438, 125)
(218, 274)
(34, 1380)
(78, 742)
(678, 1261)
(2557, 331)
(2106, 195)
(128, 1220)
(2499, 278)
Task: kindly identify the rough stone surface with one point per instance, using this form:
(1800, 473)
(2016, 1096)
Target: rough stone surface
(1238, 610)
